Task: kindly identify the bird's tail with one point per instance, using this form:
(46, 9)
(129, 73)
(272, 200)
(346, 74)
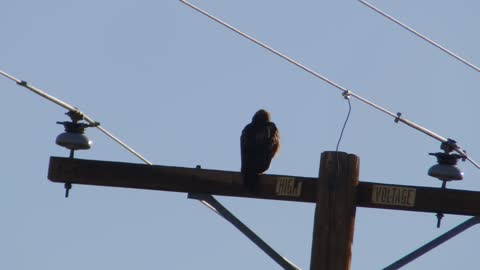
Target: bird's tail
(250, 180)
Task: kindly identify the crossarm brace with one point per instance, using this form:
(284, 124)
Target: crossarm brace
(217, 207)
(434, 243)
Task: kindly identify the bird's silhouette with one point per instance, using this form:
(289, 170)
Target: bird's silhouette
(259, 142)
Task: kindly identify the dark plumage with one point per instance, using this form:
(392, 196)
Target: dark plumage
(259, 142)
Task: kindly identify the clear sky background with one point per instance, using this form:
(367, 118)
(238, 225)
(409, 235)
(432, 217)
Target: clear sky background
(179, 88)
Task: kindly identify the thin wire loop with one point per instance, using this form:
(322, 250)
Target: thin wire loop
(77, 111)
(346, 95)
(344, 123)
(334, 84)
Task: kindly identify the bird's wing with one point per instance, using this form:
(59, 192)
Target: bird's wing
(244, 140)
(274, 137)
(245, 144)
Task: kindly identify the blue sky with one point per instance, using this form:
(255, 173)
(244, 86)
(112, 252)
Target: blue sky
(179, 88)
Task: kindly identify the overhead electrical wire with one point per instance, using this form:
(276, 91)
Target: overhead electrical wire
(420, 35)
(398, 117)
(75, 110)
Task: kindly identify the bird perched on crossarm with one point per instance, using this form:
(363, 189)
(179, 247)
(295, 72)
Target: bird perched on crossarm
(259, 143)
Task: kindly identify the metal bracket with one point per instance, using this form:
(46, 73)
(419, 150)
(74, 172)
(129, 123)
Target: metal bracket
(399, 116)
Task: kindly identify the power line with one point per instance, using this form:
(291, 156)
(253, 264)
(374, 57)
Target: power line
(398, 117)
(75, 110)
(420, 35)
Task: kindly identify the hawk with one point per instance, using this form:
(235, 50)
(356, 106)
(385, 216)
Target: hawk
(259, 142)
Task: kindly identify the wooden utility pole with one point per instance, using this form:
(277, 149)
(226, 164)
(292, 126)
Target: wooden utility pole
(337, 192)
(271, 187)
(335, 211)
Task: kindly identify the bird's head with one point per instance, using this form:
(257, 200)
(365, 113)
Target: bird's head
(261, 116)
